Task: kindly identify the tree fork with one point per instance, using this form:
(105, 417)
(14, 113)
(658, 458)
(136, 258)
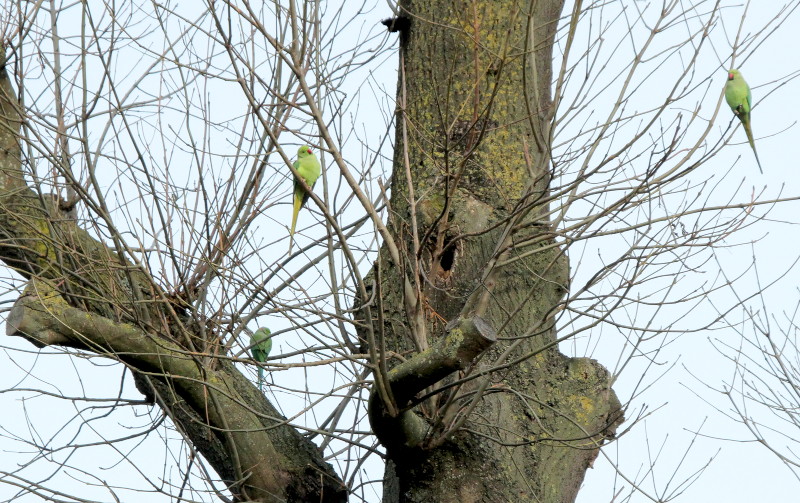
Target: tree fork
(97, 308)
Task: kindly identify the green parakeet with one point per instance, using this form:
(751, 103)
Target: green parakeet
(260, 346)
(308, 166)
(737, 94)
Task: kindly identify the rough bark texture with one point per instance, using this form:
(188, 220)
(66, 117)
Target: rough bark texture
(84, 295)
(474, 93)
(463, 342)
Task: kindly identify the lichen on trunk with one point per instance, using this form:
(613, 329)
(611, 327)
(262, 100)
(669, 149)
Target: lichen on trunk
(84, 294)
(470, 202)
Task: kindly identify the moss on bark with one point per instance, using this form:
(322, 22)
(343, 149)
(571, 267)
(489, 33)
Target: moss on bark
(474, 114)
(83, 294)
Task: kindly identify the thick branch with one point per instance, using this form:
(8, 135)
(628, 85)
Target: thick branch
(84, 295)
(464, 340)
(273, 458)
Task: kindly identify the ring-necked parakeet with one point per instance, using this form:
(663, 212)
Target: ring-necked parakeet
(737, 94)
(260, 346)
(308, 166)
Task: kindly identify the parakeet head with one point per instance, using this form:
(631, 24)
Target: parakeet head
(261, 334)
(303, 151)
(733, 74)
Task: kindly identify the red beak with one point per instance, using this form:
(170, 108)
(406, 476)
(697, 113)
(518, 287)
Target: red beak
(730, 76)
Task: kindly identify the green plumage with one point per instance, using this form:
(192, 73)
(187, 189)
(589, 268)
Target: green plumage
(737, 94)
(307, 165)
(260, 346)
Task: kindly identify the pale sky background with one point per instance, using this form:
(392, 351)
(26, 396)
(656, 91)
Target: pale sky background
(683, 431)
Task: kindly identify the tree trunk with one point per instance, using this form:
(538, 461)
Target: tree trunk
(518, 421)
(84, 295)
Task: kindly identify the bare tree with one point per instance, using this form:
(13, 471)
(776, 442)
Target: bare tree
(530, 184)
(761, 390)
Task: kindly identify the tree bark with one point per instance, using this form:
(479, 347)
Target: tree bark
(520, 421)
(84, 295)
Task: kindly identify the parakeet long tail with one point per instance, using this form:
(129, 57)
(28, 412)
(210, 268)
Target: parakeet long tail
(297, 203)
(260, 379)
(749, 133)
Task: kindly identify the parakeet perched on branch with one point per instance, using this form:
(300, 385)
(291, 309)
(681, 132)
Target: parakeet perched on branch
(260, 346)
(307, 165)
(737, 94)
